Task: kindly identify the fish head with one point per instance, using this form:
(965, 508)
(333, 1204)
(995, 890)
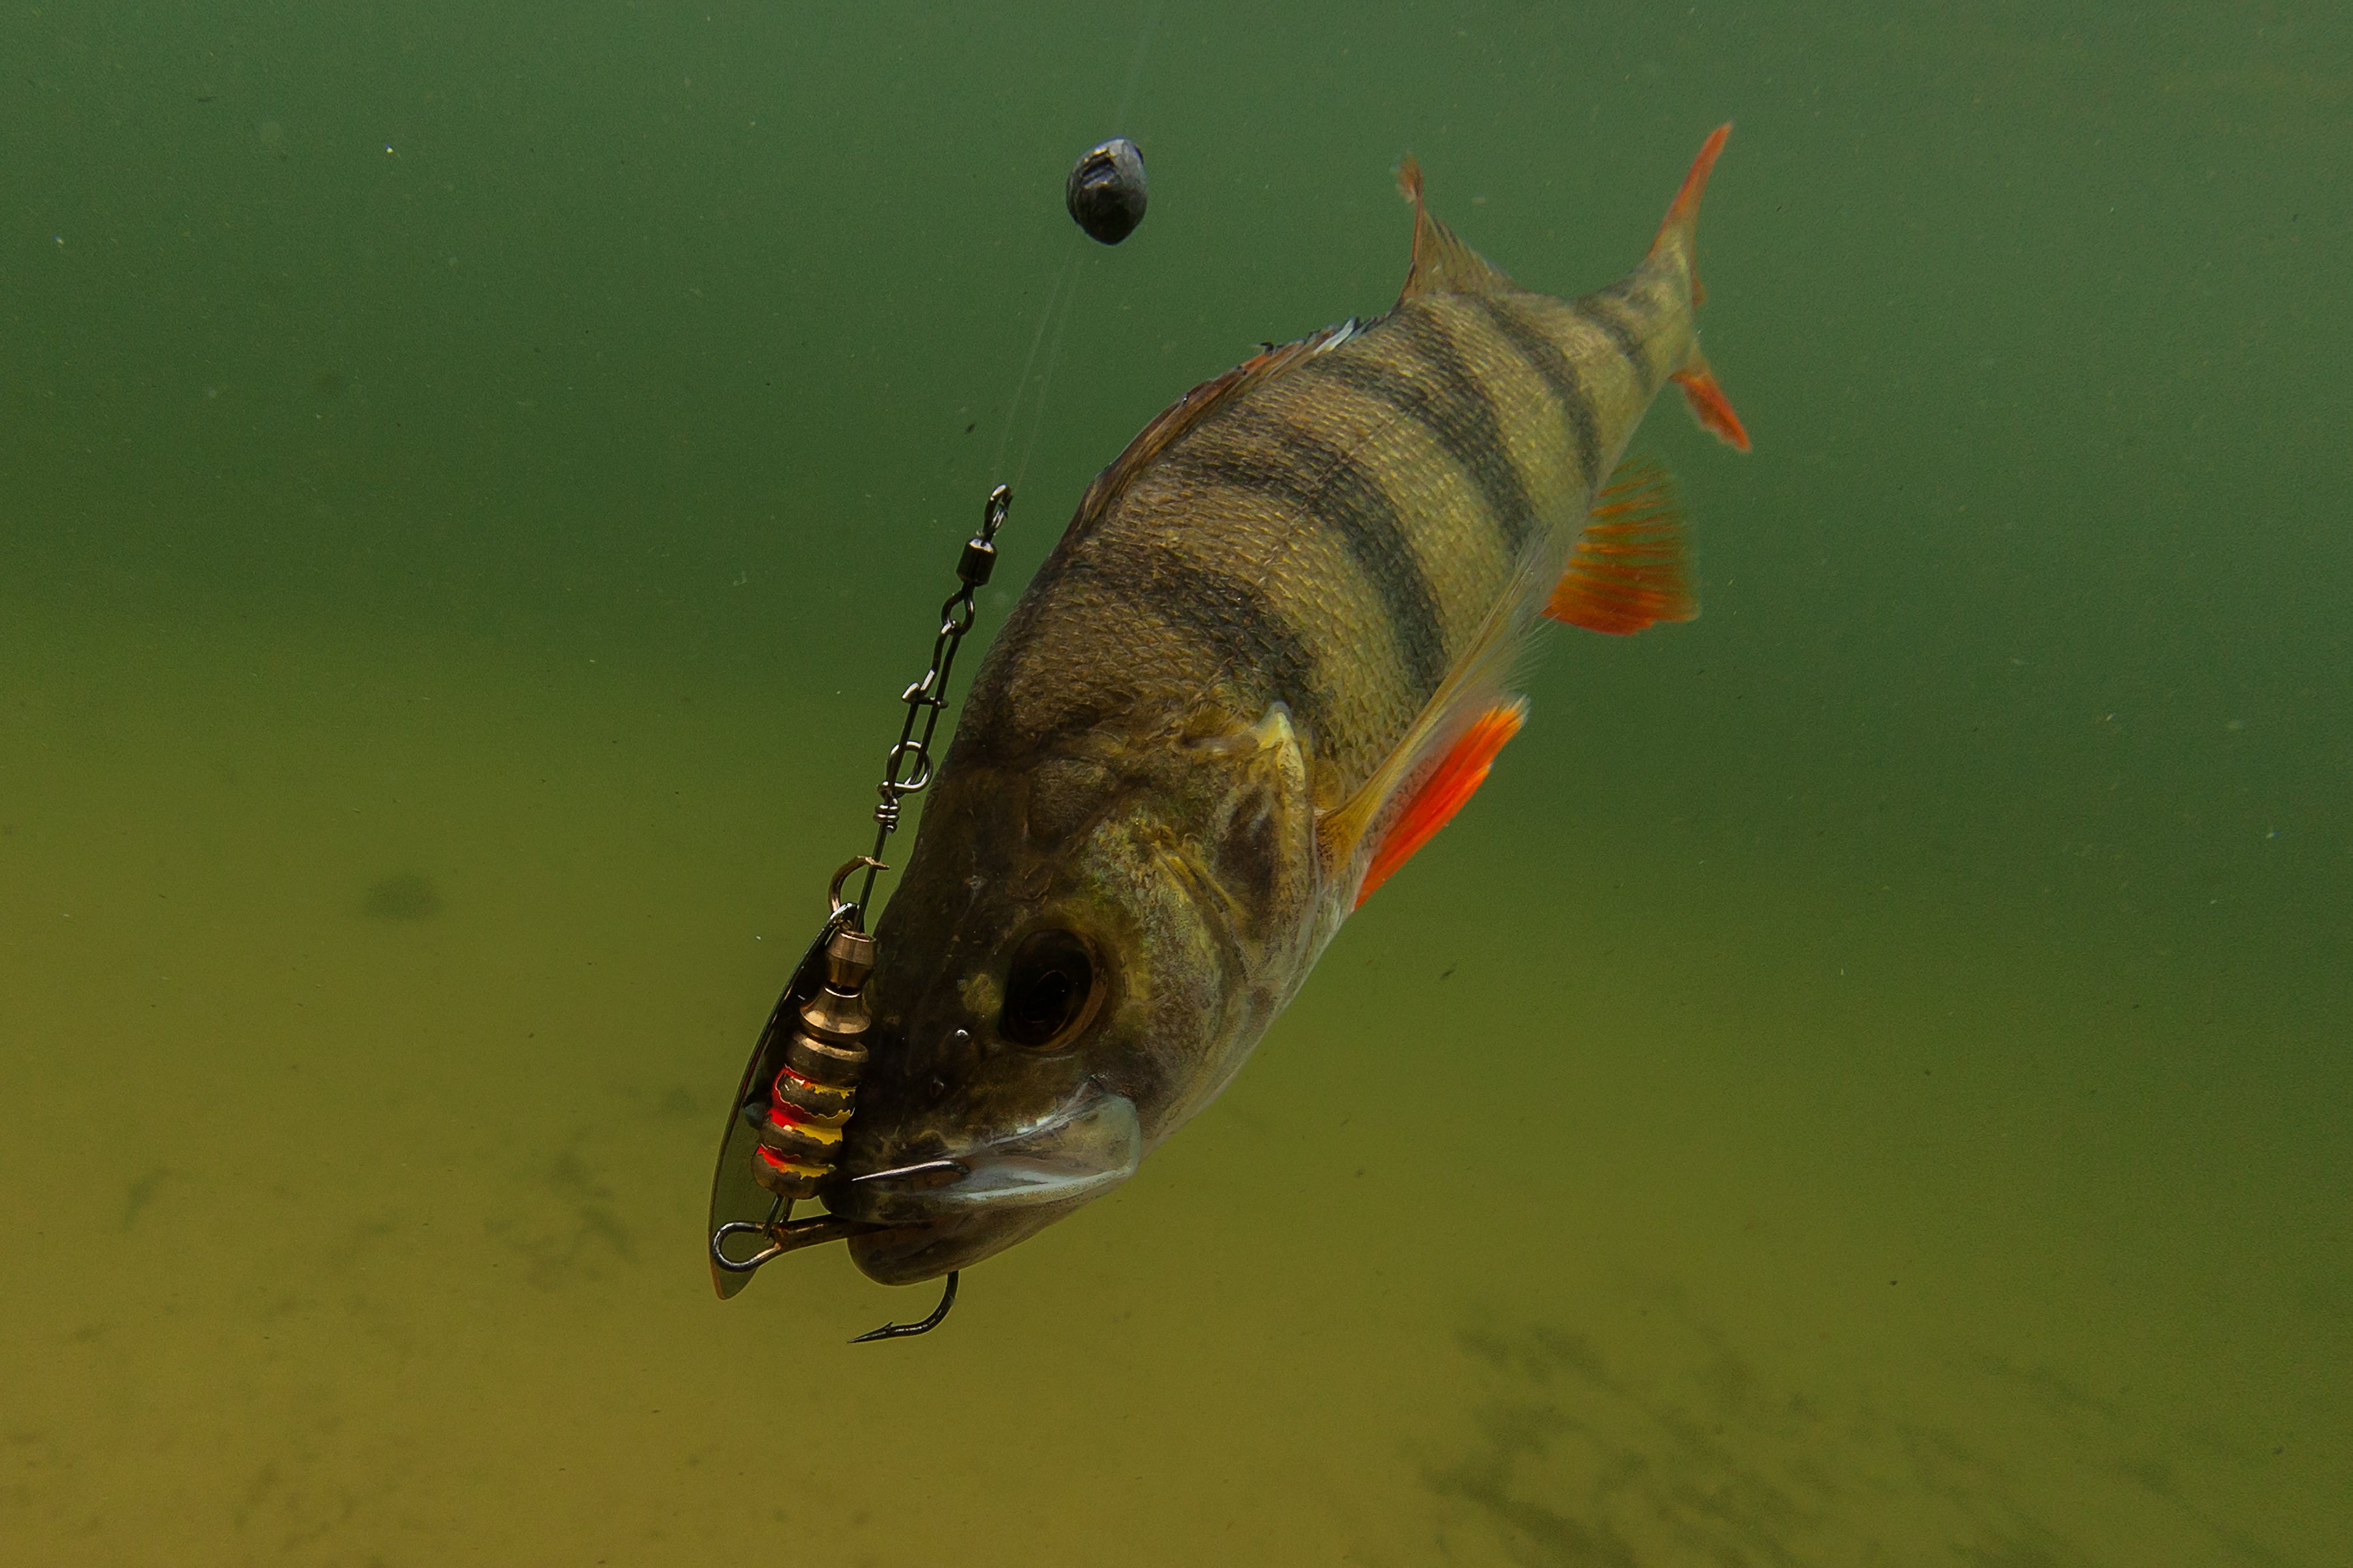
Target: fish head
(1085, 947)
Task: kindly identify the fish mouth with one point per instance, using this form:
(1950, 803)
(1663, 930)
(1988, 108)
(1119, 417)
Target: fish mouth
(978, 1198)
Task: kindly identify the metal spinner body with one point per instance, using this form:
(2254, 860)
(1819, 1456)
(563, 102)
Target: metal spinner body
(784, 1129)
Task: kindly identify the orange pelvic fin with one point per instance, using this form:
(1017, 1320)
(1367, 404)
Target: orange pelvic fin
(1442, 263)
(1681, 229)
(1708, 404)
(1631, 568)
(1453, 781)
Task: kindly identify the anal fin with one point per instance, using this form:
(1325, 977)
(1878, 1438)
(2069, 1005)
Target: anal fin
(1457, 776)
(1632, 567)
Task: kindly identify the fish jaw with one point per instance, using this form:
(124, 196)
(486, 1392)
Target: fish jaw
(965, 1140)
(979, 1198)
(1185, 866)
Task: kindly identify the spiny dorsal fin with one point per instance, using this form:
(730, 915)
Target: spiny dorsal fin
(1195, 406)
(1442, 263)
(1448, 787)
(1631, 568)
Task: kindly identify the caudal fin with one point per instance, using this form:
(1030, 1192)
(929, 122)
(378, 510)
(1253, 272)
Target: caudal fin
(1678, 244)
(1705, 396)
(1679, 234)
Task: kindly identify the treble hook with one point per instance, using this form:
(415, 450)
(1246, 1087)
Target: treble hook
(907, 1330)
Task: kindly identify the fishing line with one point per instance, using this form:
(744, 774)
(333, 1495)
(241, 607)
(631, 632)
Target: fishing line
(784, 1138)
(1061, 300)
(1046, 376)
(1135, 66)
(1021, 387)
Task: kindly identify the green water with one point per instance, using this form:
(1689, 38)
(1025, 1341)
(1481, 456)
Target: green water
(1867, 1083)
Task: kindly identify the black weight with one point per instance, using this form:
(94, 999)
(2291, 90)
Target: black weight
(1106, 190)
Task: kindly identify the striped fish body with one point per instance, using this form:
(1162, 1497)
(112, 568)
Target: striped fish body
(1252, 677)
(1338, 536)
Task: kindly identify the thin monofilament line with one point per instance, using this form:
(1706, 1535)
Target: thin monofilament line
(1065, 290)
(1046, 376)
(1135, 68)
(1021, 385)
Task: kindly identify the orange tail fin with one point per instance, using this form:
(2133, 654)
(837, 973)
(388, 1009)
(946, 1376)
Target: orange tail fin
(1681, 229)
(1708, 404)
(1456, 778)
(1679, 238)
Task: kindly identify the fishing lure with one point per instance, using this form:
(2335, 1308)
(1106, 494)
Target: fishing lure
(784, 1136)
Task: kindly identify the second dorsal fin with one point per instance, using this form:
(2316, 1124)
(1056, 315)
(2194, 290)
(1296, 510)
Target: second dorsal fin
(1195, 406)
(1442, 263)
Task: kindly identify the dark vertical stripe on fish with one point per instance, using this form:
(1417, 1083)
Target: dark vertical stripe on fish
(1543, 356)
(1334, 490)
(1452, 405)
(1232, 617)
(1607, 311)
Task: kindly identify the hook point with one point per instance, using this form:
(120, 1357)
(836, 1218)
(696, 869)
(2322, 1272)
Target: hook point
(908, 1330)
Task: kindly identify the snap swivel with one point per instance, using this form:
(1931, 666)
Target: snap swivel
(800, 1087)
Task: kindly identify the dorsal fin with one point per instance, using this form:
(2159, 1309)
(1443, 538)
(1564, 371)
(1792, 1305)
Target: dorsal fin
(1442, 263)
(1195, 406)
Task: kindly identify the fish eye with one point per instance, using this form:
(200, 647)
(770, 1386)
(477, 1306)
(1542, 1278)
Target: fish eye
(1051, 990)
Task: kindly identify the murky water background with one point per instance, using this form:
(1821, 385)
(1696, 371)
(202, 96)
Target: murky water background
(1866, 1083)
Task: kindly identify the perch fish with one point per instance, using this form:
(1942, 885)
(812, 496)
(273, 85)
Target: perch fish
(1267, 661)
